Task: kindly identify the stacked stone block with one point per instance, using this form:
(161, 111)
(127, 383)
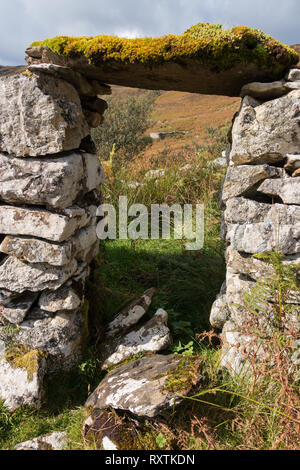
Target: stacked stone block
(49, 194)
(261, 202)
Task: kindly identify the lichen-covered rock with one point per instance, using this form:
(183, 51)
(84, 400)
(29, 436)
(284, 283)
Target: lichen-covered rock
(219, 313)
(130, 314)
(249, 265)
(53, 441)
(147, 386)
(44, 224)
(255, 138)
(242, 210)
(22, 379)
(18, 276)
(82, 246)
(287, 189)
(64, 298)
(243, 179)
(39, 105)
(264, 236)
(35, 250)
(81, 84)
(152, 337)
(253, 227)
(15, 311)
(60, 336)
(53, 182)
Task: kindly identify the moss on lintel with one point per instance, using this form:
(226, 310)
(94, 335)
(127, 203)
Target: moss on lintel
(205, 43)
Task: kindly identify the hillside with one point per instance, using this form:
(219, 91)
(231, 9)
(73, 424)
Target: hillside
(189, 112)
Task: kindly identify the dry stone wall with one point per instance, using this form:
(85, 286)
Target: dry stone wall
(261, 202)
(49, 194)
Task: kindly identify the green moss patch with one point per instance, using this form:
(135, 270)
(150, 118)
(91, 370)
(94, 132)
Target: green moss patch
(22, 358)
(208, 44)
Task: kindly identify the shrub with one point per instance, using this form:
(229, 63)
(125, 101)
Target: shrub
(126, 122)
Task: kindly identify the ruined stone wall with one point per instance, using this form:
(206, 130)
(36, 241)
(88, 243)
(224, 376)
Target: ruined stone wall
(49, 193)
(261, 202)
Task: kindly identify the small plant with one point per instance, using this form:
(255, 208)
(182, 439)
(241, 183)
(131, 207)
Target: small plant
(122, 135)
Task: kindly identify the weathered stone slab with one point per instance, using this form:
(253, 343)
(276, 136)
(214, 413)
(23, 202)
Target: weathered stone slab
(81, 84)
(288, 189)
(243, 179)
(20, 277)
(82, 246)
(44, 224)
(16, 310)
(142, 386)
(39, 105)
(64, 298)
(130, 314)
(181, 71)
(255, 137)
(34, 250)
(241, 210)
(263, 237)
(22, 380)
(152, 337)
(264, 91)
(61, 336)
(248, 265)
(55, 182)
(53, 441)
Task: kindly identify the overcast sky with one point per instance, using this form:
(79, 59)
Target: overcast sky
(24, 21)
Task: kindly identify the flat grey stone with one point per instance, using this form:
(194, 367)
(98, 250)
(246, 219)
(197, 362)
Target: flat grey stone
(141, 387)
(288, 189)
(53, 182)
(20, 277)
(44, 224)
(243, 179)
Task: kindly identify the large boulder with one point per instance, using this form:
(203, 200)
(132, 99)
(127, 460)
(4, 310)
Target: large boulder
(39, 105)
